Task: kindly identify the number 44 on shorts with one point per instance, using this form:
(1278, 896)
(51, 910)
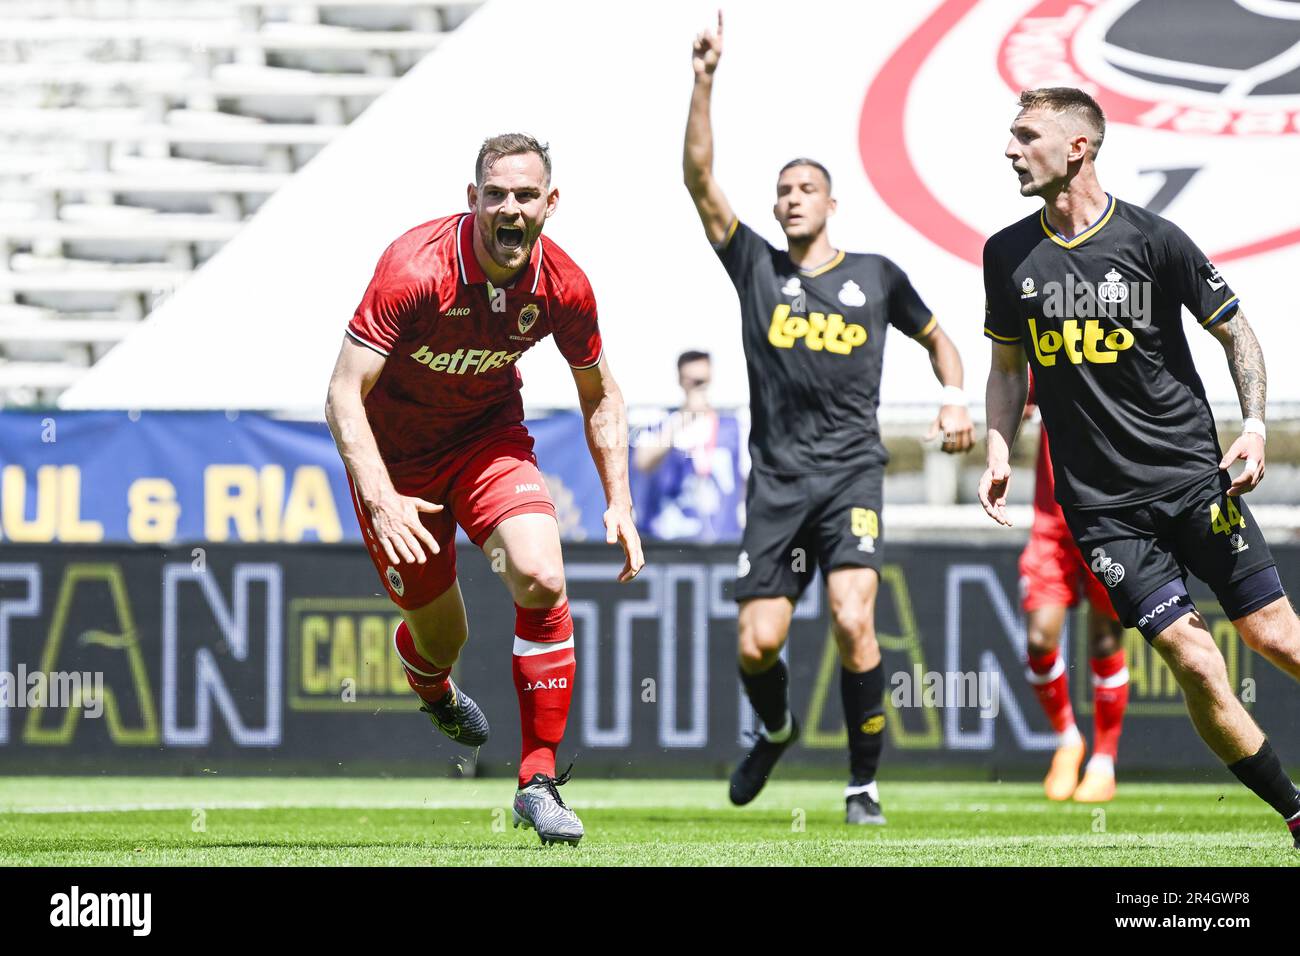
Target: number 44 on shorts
(1223, 520)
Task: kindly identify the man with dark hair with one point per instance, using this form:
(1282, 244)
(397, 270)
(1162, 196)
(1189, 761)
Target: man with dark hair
(805, 161)
(688, 479)
(425, 407)
(1090, 291)
(813, 326)
(690, 356)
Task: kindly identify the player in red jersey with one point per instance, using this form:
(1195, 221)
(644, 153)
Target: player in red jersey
(1052, 576)
(425, 408)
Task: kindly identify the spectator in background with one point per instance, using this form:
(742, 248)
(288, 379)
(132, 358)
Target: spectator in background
(687, 481)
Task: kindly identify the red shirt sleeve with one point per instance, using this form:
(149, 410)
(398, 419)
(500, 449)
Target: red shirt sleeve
(391, 300)
(577, 332)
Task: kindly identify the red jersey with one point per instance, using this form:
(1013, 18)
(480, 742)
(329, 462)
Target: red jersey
(1048, 520)
(452, 339)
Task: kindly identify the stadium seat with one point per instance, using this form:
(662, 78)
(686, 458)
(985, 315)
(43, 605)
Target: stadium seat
(65, 330)
(272, 93)
(421, 15)
(223, 192)
(126, 291)
(136, 136)
(275, 147)
(174, 239)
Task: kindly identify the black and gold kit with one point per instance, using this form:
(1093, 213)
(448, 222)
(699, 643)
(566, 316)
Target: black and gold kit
(814, 344)
(1134, 447)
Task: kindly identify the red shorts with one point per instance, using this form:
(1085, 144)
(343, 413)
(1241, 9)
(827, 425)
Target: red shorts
(1053, 573)
(489, 480)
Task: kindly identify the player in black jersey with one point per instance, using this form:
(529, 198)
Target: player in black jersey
(813, 326)
(1090, 292)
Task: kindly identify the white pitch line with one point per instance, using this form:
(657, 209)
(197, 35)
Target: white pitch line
(282, 805)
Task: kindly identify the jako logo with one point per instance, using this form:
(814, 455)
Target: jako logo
(462, 361)
(531, 486)
(1159, 609)
(553, 683)
(103, 909)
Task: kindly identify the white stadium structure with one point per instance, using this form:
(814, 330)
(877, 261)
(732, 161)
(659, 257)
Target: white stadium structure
(193, 193)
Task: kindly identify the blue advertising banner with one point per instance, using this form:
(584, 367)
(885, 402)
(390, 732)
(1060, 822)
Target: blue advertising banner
(167, 477)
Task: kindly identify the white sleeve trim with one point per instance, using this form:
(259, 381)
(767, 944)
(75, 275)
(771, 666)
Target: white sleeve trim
(579, 368)
(368, 344)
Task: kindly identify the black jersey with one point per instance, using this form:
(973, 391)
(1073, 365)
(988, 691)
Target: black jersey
(814, 342)
(1100, 319)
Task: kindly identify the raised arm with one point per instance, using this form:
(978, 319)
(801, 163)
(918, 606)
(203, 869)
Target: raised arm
(605, 417)
(1246, 362)
(953, 422)
(396, 517)
(697, 156)
(1004, 406)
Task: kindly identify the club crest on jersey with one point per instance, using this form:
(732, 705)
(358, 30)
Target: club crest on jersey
(1198, 106)
(527, 316)
(851, 294)
(1112, 291)
(1027, 290)
(395, 581)
(792, 286)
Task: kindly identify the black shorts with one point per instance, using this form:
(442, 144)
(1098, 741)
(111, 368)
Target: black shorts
(1136, 549)
(795, 524)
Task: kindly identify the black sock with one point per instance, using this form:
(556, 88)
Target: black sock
(767, 694)
(1263, 773)
(864, 716)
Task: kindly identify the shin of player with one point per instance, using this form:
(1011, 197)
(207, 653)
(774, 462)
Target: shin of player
(543, 665)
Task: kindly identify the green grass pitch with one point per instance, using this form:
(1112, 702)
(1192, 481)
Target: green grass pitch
(217, 821)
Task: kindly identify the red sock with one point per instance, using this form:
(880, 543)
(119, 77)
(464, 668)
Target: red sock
(1047, 676)
(426, 678)
(1109, 699)
(543, 669)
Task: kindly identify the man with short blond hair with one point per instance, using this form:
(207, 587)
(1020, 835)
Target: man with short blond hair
(1140, 477)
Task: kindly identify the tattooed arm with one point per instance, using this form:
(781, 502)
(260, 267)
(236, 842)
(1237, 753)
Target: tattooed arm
(1246, 362)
